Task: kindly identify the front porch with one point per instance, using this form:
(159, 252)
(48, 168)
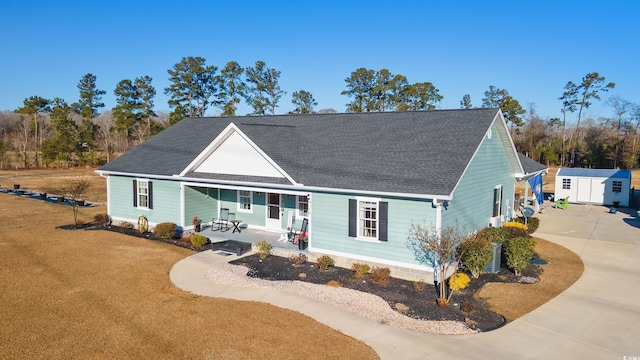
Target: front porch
(252, 236)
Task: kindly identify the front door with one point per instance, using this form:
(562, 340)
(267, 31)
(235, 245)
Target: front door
(273, 212)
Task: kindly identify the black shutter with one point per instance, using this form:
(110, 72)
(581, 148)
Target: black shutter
(353, 217)
(383, 226)
(150, 194)
(135, 193)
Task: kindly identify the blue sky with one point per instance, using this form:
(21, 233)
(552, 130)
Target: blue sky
(530, 48)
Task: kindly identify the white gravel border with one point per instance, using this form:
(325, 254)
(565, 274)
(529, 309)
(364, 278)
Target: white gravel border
(361, 303)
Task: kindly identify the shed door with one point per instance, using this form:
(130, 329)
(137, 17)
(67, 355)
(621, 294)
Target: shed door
(597, 191)
(584, 190)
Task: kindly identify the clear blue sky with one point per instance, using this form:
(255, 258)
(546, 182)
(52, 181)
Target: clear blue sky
(530, 48)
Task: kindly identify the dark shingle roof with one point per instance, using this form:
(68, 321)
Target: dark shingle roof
(416, 152)
(529, 165)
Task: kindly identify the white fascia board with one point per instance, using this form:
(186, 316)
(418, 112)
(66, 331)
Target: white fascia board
(293, 189)
(230, 129)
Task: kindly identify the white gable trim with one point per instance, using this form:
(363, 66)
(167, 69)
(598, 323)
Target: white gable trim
(260, 165)
(514, 153)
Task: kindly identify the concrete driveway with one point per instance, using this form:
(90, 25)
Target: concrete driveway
(597, 318)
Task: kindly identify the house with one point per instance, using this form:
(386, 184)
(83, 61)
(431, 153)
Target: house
(594, 186)
(360, 179)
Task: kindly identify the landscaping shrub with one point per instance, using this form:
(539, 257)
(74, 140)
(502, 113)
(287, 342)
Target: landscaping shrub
(166, 230)
(324, 262)
(476, 254)
(198, 240)
(380, 275)
(458, 281)
(298, 259)
(532, 223)
(514, 232)
(492, 234)
(102, 219)
(126, 225)
(361, 270)
(515, 224)
(419, 285)
(334, 283)
(264, 249)
(518, 252)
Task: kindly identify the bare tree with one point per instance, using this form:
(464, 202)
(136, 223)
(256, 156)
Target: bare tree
(73, 190)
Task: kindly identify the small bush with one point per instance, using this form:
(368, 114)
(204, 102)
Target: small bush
(298, 259)
(516, 224)
(476, 253)
(126, 225)
(166, 230)
(264, 249)
(491, 234)
(468, 307)
(532, 223)
(102, 219)
(518, 252)
(419, 285)
(198, 240)
(334, 283)
(515, 232)
(380, 275)
(458, 281)
(324, 262)
(361, 270)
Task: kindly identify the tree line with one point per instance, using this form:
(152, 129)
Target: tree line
(54, 132)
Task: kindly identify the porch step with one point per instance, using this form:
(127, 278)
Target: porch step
(232, 246)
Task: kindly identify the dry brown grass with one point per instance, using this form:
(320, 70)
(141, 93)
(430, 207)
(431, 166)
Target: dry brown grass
(97, 294)
(564, 269)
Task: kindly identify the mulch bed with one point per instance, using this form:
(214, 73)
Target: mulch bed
(418, 303)
(417, 300)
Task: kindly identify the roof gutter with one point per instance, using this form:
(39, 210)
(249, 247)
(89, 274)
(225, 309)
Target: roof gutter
(296, 188)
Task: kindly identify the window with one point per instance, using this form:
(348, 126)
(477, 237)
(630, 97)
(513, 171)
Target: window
(244, 201)
(303, 206)
(617, 186)
(368, 219)
(497, 200)
(142, 194)
(566, 184)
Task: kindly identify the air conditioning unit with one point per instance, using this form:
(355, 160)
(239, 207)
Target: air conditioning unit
(494, 265)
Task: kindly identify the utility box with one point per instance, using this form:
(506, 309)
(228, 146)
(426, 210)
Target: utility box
(494, 265)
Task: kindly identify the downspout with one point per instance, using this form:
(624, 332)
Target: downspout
(438, 206)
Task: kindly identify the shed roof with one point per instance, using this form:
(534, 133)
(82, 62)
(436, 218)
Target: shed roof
(595, 173)
(416, 152)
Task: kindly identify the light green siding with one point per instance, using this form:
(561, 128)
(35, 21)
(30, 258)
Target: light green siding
(472, 203)
(166, 200)
(200, 202)
(330, 226)
(257, 216)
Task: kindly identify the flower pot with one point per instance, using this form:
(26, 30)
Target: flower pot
(302, 245)
(16, 186)
(442, 302)
(198, 227)
(43, 196)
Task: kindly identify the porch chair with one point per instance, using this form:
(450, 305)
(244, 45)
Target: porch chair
(222, 221)
(563, 203)
(303, 228)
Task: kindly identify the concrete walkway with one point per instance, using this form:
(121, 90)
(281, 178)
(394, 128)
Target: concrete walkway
(597, 318)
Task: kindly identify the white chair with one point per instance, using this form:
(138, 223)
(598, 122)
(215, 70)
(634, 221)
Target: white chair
(284, 237)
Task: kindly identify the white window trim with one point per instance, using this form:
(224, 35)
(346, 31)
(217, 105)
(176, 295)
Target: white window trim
(299, 208)
(613, 186)
(366, 238)
(251, 205)
(138, 182)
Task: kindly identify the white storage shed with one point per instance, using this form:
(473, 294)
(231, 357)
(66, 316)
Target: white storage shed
(594, 186)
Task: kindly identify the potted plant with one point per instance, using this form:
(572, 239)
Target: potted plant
(303, 240)
(197, 223)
